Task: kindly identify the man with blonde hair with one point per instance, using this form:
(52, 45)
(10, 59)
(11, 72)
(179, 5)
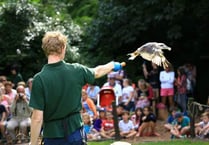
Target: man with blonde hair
(56, 94)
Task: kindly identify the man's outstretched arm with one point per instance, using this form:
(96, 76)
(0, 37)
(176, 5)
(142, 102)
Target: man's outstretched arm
(102, 70)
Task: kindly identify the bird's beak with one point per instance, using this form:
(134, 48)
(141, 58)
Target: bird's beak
(169, 48)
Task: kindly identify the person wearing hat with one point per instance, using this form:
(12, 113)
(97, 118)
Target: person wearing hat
(181, 126)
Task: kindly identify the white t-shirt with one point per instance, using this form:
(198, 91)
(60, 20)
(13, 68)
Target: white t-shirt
(126, 94)
(167, 79)
(126, 127)
(203, 124)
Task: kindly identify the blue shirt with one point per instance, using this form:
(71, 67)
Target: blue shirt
(93, 93)
(87, 128)
(170, 119)
(185, 121)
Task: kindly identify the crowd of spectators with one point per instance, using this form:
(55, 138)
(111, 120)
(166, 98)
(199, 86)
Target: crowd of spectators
(138, 104)
(15, 112)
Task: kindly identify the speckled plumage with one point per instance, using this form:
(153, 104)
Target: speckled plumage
(152, 51)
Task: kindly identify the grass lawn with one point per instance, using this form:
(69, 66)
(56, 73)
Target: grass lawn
(173, 142)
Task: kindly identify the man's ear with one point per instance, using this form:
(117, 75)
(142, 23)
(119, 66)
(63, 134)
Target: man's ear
(63, 48)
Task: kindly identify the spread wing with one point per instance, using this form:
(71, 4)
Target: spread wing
(152, 51)
(159, 59)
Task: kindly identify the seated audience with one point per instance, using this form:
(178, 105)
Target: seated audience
(3, 79)
(97, 123)
(88, 105)
(142, 101)
(107, 130)
(181, 126)
(21, 113)
(87, 123)
(29, 87)
(91, 133)
(4, 99)
(137, 118)
(119, 111)
(9, 90)
(126, 126)
(144, 87)
(170, 119)
(93, 92)
(202, 127)
(3, 118)
(148, 124)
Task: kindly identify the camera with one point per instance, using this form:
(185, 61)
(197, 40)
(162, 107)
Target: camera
(21, 95)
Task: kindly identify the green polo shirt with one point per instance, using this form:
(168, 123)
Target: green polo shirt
(56, 91)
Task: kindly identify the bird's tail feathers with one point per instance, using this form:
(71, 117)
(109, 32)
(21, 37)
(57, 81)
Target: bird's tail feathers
(133, 55)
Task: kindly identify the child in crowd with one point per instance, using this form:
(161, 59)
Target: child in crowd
(181, 126)
(127, 99)
(107, 130)
(88, 105)
(144, 88)
(202, 128)
(119, 111)
(97, 123)
(126, 126)
(148, 123)
(87, 124)
(170, 119)
(3, 118)
(137, 118)
(91, 132)
(142, 101)
(4, 99)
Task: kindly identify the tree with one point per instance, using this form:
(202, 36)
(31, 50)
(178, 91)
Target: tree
(122, 26)
(22, 27)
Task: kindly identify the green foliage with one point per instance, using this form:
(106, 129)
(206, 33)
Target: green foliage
(22, 27)
(15, 19)
(112, 28)
(82, 12)
(122, 26)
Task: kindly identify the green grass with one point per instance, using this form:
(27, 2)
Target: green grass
(173, 142)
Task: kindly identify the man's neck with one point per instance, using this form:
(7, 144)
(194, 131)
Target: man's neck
(53, 59)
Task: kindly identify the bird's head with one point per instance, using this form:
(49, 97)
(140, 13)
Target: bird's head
(163, 46)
